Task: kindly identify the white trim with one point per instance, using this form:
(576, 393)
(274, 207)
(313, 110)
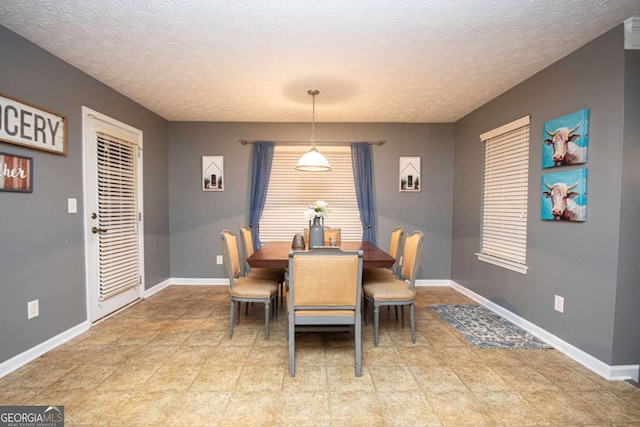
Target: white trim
(199, 282)
(608, 372)
(611, 373)
(516, 124)
(127, 132)
(433, 283)
(156, 288)
(182, 281)
(33, 353)
(632, 33)
(510, 265)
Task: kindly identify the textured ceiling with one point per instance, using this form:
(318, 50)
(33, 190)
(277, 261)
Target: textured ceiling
(252, 60)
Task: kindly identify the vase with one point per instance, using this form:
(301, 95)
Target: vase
(298, 242)
(316, 233)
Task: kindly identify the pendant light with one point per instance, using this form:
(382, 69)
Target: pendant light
(313, 160)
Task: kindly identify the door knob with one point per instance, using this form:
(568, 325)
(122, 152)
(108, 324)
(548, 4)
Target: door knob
(95, 230)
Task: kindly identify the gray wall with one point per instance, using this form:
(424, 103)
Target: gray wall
(42, 246)
(578, 261)
(593, 265)
(627, 334)
(197, 217)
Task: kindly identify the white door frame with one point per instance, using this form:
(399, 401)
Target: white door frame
(114, 127)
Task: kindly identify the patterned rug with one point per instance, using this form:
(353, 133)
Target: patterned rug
(484, 328)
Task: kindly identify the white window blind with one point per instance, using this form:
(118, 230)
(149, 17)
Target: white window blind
(291, 191)
(504, 202)
(118, 215)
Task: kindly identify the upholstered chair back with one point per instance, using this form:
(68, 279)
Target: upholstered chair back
(412, 251)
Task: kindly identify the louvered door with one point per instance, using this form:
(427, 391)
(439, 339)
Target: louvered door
(115, 219)
(119, 263)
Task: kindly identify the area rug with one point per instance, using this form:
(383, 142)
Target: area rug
(484, 328)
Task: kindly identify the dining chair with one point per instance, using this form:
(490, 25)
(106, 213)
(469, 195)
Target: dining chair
(394, 291)
(246, 288)
(395, 250)
(328, 233)
(325, 290)
(247, 250)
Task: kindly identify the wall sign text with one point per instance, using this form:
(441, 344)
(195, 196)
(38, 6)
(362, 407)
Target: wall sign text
(16, 173)
(31, 126)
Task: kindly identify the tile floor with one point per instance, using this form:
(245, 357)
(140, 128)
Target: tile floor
(168, 360)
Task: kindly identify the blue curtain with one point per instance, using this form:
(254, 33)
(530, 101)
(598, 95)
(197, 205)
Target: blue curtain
(363, 177)
(261, 160)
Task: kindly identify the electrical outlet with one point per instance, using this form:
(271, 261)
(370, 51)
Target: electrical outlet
(219, 259)
(558, 304)
(33, 309)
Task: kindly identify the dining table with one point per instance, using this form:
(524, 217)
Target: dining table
(275, 254)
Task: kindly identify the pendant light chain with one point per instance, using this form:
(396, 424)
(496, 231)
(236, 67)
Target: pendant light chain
(313, 160)
(313, 93)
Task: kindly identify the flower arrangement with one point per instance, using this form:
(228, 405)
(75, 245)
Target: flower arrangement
(318, 209)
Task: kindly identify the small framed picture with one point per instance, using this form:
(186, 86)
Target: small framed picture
(410, 174)
(16, 173)
(212, 173)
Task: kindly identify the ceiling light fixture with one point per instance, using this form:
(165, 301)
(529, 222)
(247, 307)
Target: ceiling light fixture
(313, 160)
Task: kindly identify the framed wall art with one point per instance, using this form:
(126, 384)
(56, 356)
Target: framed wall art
(410, 174)
(564, 196)
(565, 140)
(16, 173)
(30, 126)
(212, 173)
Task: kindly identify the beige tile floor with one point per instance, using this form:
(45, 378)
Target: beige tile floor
(168, 360)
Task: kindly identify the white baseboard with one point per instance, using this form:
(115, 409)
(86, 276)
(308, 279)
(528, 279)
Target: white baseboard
(33, 353)
(156, 288)
(182, 281)
(433, 282)
(612, 373)
(199, 282)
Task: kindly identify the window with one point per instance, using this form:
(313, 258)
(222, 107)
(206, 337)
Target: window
(504, 201)
(291, 191)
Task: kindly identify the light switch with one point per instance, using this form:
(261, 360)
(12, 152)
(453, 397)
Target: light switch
(72, 204)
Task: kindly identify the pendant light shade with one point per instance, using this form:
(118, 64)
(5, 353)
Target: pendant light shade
(313, 160)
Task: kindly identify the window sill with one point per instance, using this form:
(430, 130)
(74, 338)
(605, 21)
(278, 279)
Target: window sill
(509, 265)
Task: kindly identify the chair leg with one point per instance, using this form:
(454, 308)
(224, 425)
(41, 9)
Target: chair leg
(401, 315)
(291, 335)
(376, 322)
(364, 311)
(239, 304)
(358, 338)
(413, 323)
(233, 308)
(276, 306)
(266, 319)
(282, 292)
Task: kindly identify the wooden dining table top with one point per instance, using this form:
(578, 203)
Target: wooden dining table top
(276, 255)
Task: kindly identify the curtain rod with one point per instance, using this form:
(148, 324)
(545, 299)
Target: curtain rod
(251, 141)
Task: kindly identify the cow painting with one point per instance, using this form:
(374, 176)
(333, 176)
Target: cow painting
(564, 200)
(565, 151)
(565, 140)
